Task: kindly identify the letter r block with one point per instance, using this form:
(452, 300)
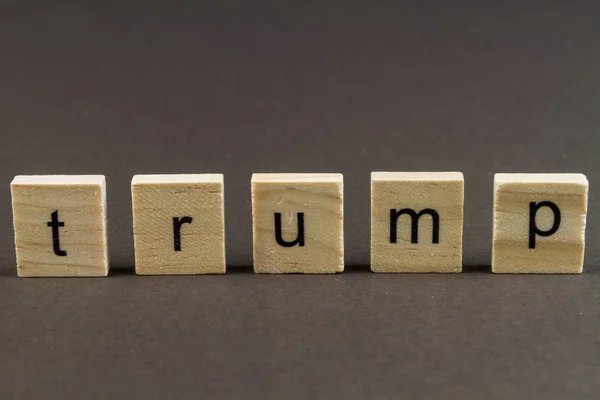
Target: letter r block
(416, 221)
(60, 225)
(178, 224)
(539, 223)
(298, 223)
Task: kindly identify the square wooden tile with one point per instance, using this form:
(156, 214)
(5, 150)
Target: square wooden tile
(179, 224)
(298, 223)
(416, 221)
(60, 225)
(539, 223)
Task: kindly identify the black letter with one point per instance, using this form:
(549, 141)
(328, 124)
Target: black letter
(54, 224)
(278, 236)
(177, 222)
(533, 229)
(394, 215)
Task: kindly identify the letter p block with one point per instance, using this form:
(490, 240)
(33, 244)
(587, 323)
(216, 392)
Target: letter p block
(298, 223)
(539, 223)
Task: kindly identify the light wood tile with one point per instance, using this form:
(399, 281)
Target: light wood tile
(416, 221)
(60, 225)
(298, 223)
(179, 224)
(539, 223)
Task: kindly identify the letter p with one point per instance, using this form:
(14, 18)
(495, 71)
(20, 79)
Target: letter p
(534, 231)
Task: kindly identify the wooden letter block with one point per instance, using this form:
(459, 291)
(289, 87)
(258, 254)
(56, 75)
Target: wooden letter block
(178, 224)
(298, 223)
(416, 221)
(60, 225)
(539, 223)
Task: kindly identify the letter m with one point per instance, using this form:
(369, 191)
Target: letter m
(415, 217)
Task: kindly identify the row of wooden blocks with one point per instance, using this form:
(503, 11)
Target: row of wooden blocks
(416, 223)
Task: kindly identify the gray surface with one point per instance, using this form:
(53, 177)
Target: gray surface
(356, 335)
(242, 87)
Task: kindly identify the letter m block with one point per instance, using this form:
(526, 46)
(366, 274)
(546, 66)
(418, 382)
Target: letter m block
(416, 221)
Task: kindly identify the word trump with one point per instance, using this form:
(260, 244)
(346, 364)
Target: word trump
(298, 223)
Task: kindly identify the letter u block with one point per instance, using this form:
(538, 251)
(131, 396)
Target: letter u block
(60, 225)
(178, 224)
(416, 221)
(539, 223)
(298, 223)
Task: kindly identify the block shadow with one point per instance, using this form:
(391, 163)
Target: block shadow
(116, 271)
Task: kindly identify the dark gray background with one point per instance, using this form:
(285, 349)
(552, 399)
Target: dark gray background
(249, 86)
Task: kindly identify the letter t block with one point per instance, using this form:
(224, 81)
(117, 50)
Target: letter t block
(298, 223)
(60, 225)
(539, 223)
(416, 221)
(178, 224)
